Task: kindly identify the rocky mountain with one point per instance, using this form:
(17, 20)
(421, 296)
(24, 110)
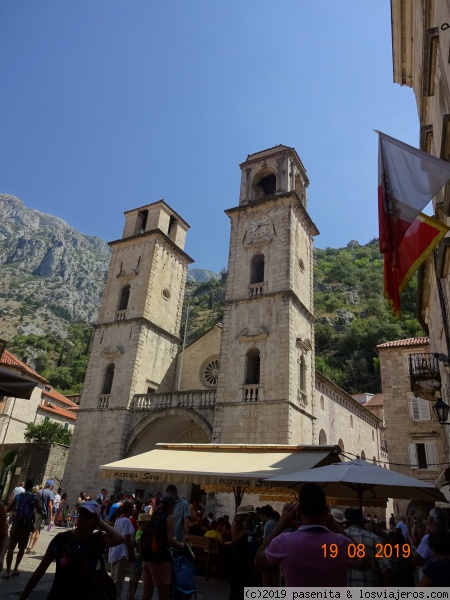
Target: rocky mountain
(51, 273)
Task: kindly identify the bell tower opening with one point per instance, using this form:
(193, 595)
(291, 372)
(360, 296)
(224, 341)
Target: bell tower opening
(257, 269)
(264, 185)
(253, 367)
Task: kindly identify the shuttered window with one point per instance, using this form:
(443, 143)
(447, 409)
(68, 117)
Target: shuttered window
(423, 456)
(420, 409)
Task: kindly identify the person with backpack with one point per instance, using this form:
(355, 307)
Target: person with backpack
(23, 505)
(44, 513)
(157, 537)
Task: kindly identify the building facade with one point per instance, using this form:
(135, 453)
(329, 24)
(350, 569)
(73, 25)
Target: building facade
(247, 380)
(414, 436)
(45, 404)
(421, 50)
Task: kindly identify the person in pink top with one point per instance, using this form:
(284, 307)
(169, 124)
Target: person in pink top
(317, 554)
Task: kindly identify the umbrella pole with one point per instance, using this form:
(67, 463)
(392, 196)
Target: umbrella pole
(238, 495)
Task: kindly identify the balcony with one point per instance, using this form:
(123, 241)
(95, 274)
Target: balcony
(103, 401)
(256, 289)
(189, 399)
(251, 393)
(424, 375)
(121, 315)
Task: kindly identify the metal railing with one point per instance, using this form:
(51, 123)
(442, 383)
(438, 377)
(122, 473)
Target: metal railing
(423, 366)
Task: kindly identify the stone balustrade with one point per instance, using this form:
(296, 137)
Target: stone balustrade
(251, 393)
(187, 399)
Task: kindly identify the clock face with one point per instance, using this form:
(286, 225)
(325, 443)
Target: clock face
(260, 226)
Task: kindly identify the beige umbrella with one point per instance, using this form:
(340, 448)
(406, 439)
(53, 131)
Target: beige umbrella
(358, 479)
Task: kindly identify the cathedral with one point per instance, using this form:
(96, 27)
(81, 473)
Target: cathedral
(250, 379)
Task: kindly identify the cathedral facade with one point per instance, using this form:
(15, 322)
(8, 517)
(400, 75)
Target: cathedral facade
(251, 378)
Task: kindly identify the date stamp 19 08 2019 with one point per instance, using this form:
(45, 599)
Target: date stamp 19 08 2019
(359, 550)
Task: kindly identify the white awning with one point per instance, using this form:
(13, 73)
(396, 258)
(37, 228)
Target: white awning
(220, 464)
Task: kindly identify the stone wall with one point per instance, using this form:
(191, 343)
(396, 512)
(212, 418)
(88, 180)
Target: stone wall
(39, 462)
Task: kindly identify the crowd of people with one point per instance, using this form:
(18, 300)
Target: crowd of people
(308, 545)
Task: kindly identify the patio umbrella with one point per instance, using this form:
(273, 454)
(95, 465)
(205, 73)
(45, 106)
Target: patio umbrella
(358, 479)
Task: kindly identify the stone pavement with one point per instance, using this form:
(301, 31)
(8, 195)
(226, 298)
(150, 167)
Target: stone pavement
(10, 589)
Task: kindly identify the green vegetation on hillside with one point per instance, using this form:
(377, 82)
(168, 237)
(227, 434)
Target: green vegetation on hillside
(352, 318)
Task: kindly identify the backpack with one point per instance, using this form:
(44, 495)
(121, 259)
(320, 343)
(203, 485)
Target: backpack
(25, 505)
(153, 541)
(43, 502)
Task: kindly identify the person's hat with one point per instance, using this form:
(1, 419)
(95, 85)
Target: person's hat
(92, 506)
(337, 515)
(143, 517)
(49, 483)
(354, 515)
(242, 510)
(167, 499)
(250, 508)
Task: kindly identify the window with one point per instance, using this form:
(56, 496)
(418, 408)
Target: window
(420, 409)
(257, 269)
(172, 228)
(66, 425)
(252, 367)
(423, 456)
(265, 186)
(363, 455)
(322, 403)
(108, 379)
(46, 419)
(351, 421)
(302, 374)
(322, 438)
(210, 371)
(124, 297)
(341, 445)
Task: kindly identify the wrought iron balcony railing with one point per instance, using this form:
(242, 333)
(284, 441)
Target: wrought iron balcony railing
(424, 374)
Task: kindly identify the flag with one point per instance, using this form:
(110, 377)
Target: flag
(407, 180)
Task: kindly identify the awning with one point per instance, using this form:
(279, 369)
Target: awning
(15, 386)
(225, 465)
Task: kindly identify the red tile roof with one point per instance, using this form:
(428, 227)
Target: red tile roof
(10, 360)
(417, 341)
(53, 394)
(57, 410)
(376, 400)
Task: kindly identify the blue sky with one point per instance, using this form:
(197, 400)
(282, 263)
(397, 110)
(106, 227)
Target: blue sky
(107, 105)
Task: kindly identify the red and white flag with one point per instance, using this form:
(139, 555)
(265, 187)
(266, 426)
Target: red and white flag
(407, 180)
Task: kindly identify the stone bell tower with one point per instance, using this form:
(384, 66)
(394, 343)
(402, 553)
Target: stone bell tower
(266, 379)
(136, 337)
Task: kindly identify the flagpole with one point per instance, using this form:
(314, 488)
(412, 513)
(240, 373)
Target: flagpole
(184, 346)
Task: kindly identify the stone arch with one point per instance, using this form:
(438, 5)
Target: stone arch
(322, 438)
(264, 183)
(124, 297)
(108, 378)
(341, 444)
(252, 367)
(178, 420)
(257, 265)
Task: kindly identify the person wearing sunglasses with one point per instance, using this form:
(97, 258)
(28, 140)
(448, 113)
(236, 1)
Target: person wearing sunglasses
(77, 553)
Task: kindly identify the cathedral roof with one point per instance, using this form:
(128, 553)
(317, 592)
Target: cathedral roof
(416, 341)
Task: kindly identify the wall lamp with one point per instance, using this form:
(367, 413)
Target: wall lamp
(441, 409)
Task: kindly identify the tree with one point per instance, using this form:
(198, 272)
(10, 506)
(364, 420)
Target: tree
(48, 431)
